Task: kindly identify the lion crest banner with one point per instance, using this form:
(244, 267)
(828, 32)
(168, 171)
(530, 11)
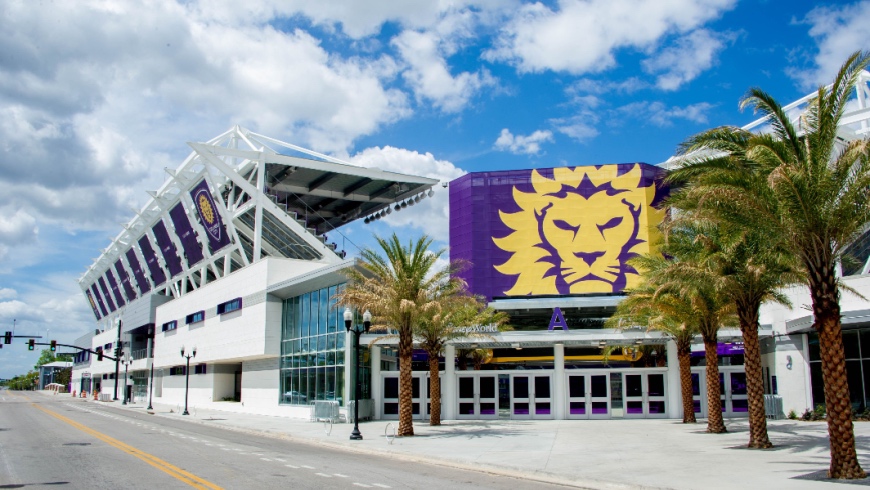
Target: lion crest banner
(555, 231)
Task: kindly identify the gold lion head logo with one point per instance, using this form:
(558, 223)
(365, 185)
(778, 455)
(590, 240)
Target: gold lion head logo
(206, 209)
(575, 232)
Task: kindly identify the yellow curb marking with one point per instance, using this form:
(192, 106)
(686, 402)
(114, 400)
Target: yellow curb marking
(154, 461)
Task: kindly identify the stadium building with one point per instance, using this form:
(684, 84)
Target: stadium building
(231, 256)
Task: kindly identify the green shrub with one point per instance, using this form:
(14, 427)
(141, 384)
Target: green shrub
(792, 415)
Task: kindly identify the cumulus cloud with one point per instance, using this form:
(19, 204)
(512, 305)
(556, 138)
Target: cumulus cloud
(662, 115)
(429, 215)
(17, 228)
(8, 293)
(687, 58)
(582, 36)
(838, 32)
(519, 144)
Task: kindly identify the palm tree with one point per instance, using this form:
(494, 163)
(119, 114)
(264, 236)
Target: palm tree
(397, 288)
(693, 279)
(753, 269)
(442, 322)
(665, 312)
(813, 197)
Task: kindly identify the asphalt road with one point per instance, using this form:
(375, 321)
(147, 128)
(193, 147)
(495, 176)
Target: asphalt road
(58, 441)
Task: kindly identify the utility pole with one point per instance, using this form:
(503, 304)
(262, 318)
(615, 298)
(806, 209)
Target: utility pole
(118, 360)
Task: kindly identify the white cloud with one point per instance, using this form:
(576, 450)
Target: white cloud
(7, 293)
(838, 32)
(429, 215)
(581, 36)
(598, 87)
(580, 127)
(429, 75)
(17, 227)
(519, 144)
(661, 115)
(687, 58)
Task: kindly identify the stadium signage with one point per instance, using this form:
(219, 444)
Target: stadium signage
(209, 216)
(491, 328)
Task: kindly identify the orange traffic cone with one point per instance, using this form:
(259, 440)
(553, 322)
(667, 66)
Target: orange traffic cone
(95, 395)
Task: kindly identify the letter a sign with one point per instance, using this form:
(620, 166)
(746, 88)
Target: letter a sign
(558, 320)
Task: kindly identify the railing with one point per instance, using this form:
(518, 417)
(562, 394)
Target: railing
(324, 410)
(773, 407)
(139, 354)
(366, 410)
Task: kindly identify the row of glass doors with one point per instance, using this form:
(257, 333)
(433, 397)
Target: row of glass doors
(591, 394)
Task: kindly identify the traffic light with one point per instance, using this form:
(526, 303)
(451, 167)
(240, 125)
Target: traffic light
(100, 354)
(53, 345)
(117, 352)
(8, 338)
(31, 344)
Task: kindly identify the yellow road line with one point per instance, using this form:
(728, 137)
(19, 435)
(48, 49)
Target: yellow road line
(154, 461)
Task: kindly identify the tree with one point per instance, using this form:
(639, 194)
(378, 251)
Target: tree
(45, 357)
(812, 196)
(665, 312)
(397, 288)
(443, 321)
(752, 267)
(693, 279)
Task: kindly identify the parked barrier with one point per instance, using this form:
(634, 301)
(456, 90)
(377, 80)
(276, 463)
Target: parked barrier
(773, 407)
(366, 410)
(322, 410)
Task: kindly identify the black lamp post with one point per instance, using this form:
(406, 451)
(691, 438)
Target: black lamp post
(187, 376)
(348, 323)
(151, 388)
(126, 360)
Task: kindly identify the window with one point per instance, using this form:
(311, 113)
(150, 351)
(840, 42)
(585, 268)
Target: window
(195, 317)
(107, 347)
(199, 369)
(170, 325)
(231, 305)
(176, 371)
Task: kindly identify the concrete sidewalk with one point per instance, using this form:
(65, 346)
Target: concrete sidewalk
(588, 453)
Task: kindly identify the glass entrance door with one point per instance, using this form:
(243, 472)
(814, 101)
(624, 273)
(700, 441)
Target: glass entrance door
(419, 395)
(477, 396)
(588, 396)
(531, 396)
(644, 395)
(732, 391)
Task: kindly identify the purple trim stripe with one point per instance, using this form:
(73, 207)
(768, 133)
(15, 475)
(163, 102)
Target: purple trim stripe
(183, 230)
(138, 273)
(167, 249)
(125, 280)
(105, 292)
(116, 291)
(157, 274)
(99, 299)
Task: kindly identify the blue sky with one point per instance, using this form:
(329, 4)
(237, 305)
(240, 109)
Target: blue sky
(97, 97)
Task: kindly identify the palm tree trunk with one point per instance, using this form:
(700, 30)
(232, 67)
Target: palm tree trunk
(748, 315)
(434, 391)
(406, 416)
(684, 355)
(826, 308)
(715, 424)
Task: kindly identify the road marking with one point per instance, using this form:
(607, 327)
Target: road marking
(323, 475)
(291, 466)
(340, 475)
(281, 460)
(363, 485)
(309, 467)
(154, 461)
(381, 485)
(265, 459)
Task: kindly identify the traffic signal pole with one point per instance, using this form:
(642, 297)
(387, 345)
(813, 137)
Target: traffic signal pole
(118, 360)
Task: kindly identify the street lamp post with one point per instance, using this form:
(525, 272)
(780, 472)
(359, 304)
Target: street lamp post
(187, 376)
(127, 359)
(151, 354)
(348, 324)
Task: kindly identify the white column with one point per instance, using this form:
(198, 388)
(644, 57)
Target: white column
(448, 384)
(559, 400)
(675, 396)
(377, 390)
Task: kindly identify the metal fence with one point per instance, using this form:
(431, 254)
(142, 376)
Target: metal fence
(773, 407)
(366, 410)
(324, 410)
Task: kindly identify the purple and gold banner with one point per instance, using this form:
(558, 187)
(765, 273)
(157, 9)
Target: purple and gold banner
(167, 248)
(96, 295)
(105, 292)
(209, 216)
(566, 230)
(125, 280)
(157, 274)
(183, 230)
(92, 303)
(138, 273)
(116, 291)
